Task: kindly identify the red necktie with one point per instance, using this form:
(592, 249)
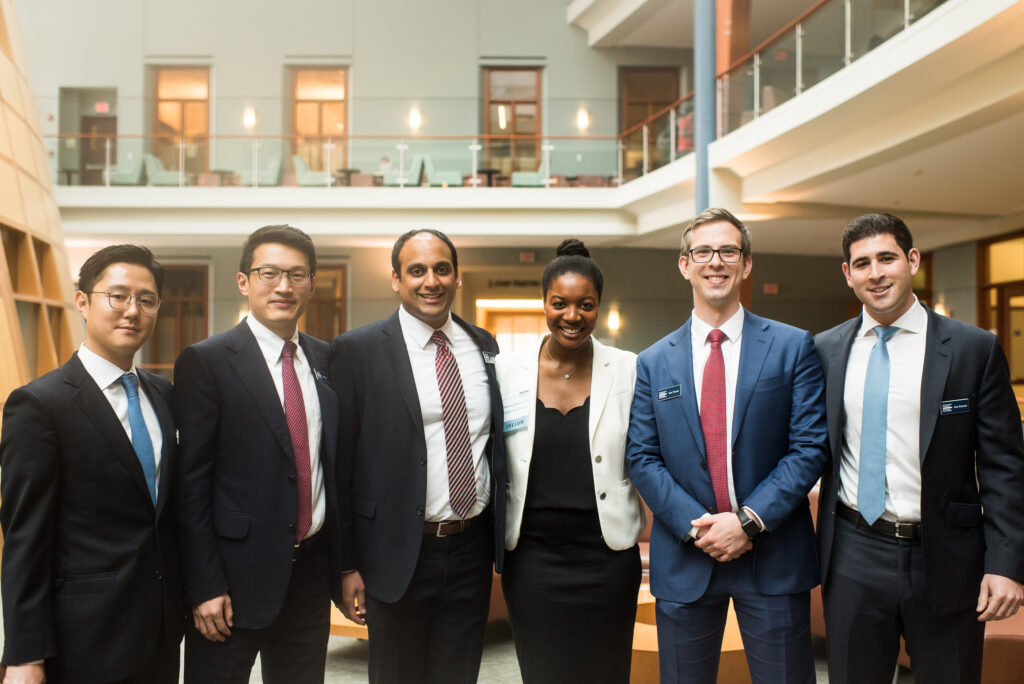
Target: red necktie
(461, 481)
(712, 421)
(295, 414)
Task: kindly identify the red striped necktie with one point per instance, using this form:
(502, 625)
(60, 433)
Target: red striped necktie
(461, 481)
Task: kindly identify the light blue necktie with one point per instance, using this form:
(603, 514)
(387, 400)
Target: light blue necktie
(140, 433)
(871, 482)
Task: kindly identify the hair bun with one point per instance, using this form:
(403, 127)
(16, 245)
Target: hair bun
(572, 247)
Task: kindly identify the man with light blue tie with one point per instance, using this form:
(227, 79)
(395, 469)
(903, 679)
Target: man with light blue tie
(92, 588)
(726, 438)
(921, 518)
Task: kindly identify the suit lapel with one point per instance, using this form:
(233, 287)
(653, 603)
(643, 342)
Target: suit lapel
(328, 400)
(937, 359)
(754, 347)
(94, 404)
(835, 388)
(398, 356)
(601, 379)
(487, 345)
(680, 372)
(168, 452)
(251, 367)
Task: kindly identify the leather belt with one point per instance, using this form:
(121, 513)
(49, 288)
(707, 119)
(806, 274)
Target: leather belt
(447, 528)
(896, 530)
(307, 547)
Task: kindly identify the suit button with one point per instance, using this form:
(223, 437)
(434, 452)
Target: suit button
(291, 478)
(291, 528)
(423, 461)
(711, 510)
(703, 465)
(602, 496)
(419, 510)
(597, 459)
(158, 575)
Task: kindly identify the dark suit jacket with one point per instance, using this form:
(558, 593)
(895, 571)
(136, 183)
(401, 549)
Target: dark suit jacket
(238, 495)
(778, 450)
(90, 568)
(382, 453)
(959, 541)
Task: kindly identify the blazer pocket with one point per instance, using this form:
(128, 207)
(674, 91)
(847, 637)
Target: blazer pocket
(772, 383)
(230, 525)
(363, 507)
(98, 584)
(963, 514)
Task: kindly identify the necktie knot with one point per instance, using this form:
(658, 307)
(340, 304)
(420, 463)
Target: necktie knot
(130, 384)
(716, 337)
(885, 332)
(289, 350)
(439, 339)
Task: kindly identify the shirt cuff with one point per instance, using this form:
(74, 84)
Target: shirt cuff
(692, 534)
(750, 511)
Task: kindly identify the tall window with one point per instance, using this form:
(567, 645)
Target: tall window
(643, 92)
(319, 116)
(325, 316)
(512, 113)
(183, 317)
(182, 114)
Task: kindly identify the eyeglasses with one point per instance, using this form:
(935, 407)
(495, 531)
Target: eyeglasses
(272, 275)
(148, 304)
(728, 255)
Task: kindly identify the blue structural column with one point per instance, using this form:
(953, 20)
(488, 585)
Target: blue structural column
(703, 95)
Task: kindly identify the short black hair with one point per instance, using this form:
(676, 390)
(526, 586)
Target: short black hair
(405, 237)
(572, 256)
(282, 235)
(878, 223)
(715, 215)
(93, 268)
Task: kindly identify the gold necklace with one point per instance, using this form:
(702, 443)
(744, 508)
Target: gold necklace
(546, 351)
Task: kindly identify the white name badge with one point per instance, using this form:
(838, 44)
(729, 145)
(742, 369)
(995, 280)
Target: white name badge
(517, 411)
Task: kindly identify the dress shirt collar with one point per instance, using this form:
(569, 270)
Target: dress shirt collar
(270, 342)
(913, 320)
(418, 332)
(733, 328)
(102, 371)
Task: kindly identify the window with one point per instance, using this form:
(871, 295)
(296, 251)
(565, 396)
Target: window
(644, 91)
(182, 115)
(512, 117)
(183, 318)
(319, 117)
(325, 316)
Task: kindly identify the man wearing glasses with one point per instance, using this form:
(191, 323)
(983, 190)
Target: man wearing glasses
(726, 438)
(256, 507)
(91, 573)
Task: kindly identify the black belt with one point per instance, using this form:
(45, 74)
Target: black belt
(447, 528)
(308, 546)
(896, 530)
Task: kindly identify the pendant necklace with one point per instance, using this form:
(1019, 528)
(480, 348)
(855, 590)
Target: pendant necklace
(564, 375)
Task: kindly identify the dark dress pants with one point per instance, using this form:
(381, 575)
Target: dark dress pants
(434, 634)
(162, 668)
(776, 630)
(292, 650)
(875, 595)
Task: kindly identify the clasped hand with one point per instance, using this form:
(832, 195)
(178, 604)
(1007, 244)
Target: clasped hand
(721, 536)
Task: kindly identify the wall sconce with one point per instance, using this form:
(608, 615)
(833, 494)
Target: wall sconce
(582, 119)
(415, 118)
(614, 322)
(502, 117)
(249, 118)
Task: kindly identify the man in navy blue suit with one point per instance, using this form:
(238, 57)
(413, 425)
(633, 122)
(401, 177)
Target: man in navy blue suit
(727, 436)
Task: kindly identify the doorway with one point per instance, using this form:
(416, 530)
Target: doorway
(94, 147)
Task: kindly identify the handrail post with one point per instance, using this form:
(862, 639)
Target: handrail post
(757, 84)
(799, 58)
(106, 161)
(328, 146)
(618, 157)
(255, 163)
(546, 148)
(474, 148)
(645, 149)
(181, 161)
(848, 31)
(906, 14)
(672, 134)
(402, 147)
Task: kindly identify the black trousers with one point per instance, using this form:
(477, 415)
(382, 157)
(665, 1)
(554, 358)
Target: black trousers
(162, 667)
(875, 595)
(434, 634)
(293, 649)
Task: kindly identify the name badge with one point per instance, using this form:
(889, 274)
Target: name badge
(488, 357)
(517, 411)
(955, 406)
(673, 392)
(322, 377)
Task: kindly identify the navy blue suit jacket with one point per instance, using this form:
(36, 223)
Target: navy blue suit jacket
(238, 496)
(779, 437)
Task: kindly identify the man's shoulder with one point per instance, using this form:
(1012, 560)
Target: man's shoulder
(484, 338)
(777, 328)
(161, 383)
(366, 334)
(964, 333)
(827, 338)
(663, 346)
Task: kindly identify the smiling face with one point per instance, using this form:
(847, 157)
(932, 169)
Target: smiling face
(117, 335)
(716, 284)
(880, 275)
(280, 305)
(571, 309)
(426, 280)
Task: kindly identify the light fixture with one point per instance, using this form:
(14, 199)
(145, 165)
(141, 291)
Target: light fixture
(582, 119)
(415, 118)
(614, 322)
(502, 117)
(249, 118)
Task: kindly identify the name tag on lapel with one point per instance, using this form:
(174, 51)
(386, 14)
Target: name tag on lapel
(673, 392)
(488, 357)
(517, 411)
(322, 377)
(955, 406)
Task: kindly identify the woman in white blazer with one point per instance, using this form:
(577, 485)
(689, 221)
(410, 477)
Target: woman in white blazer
(572, 569)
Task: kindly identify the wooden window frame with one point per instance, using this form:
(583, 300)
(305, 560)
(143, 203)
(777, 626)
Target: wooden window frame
(203, 299)
(204, 159)
(538, 102)
(340, 160)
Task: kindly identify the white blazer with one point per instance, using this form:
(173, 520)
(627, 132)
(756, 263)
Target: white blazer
(611, 395)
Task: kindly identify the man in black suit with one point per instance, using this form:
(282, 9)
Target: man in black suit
(422, 472)
(921, 520)
(91, 575)
(257, 511)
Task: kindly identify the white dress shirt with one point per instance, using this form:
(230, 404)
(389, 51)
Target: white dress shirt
(902, 435)
(108, 377)
(422, 353)
(272, 347)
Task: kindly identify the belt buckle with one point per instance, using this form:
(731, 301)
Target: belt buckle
(898, 526)
(295, 551)
(440, 526)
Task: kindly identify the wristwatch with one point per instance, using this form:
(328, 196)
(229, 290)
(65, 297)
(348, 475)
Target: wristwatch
(750, 526)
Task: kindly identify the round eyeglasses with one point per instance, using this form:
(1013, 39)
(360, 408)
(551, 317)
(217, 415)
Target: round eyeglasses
(148, 304)
(272, 275)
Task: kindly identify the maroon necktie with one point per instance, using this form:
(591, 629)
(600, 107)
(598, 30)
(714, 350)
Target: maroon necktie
(712, 421)
(295, 414)
(461, 481)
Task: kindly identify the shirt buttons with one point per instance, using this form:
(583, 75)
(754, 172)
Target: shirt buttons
(419, 510)
(602, 496)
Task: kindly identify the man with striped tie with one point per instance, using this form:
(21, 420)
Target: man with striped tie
(91, 575)
(921, 518)
(421, 472)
